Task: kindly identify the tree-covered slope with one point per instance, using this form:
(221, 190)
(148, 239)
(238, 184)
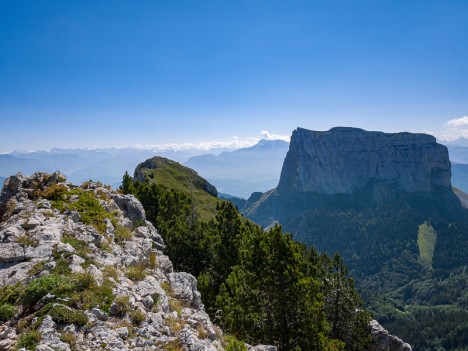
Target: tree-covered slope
(261, 286)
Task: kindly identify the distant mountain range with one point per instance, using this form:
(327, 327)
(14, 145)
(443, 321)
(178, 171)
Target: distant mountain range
(104, 165)
(243, 171)
(238, 173)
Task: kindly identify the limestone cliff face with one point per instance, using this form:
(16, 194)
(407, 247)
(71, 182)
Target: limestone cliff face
(344, 160)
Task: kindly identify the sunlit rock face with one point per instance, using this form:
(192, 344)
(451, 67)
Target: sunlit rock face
(345, 160)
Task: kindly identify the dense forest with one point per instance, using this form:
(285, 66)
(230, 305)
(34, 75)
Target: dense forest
(260, 286)
(420, 296)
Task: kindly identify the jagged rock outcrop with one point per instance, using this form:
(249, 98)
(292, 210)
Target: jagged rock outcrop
(345, 160)
(383, 341)
(81, 269)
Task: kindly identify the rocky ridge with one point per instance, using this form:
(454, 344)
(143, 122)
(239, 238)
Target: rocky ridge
(68, 283)
(56, 266)
(344, 160)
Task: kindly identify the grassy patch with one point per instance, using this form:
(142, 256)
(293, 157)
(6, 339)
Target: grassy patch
(174, 324)
(174, 345)
(54, 192)
(26, 240)
(175, 305)
(29, 340)
(70, 339)
(111, 272)
(11, 294)
(88, 206)
(37, 268)
(427, 238)
(81, 247)
(62, 314)
(40, 287)
(136, 273)
(153, 260)
(173, 175)
(202, 333)
(122, 234)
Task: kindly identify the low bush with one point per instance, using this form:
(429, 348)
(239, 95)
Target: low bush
(54, 192)
(6, 312)
(234, 345)
(39, 287)
(11, 294)
(123, 305)
(122, 234)
(137, 317)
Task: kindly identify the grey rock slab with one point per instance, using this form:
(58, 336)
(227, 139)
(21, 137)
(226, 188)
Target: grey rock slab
(184, 285)
(100, 315)
(383, 341)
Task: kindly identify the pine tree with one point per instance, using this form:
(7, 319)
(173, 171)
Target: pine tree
(127, 184)
(343, 306)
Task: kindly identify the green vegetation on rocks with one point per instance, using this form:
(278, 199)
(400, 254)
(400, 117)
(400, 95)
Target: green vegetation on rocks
(260, 286)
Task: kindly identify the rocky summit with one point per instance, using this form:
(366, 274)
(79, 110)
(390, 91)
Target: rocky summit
(82, 269)
(345, 160)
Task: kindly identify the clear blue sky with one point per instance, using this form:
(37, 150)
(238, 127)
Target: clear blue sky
(82, 73)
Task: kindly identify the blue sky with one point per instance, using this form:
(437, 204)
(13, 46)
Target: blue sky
(115, 73)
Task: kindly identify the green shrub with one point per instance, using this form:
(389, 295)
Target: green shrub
(96, 296)
(123, 305)
(6, 312)
(62, 314)
(137, 317)
(122, 234)
(235, 345)
(11, 294)
(83, 281)
(39, 287)
(54, 192)
(29, 340)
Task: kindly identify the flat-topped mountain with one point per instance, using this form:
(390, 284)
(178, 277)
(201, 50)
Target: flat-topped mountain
(384, 202)
(344, 160)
